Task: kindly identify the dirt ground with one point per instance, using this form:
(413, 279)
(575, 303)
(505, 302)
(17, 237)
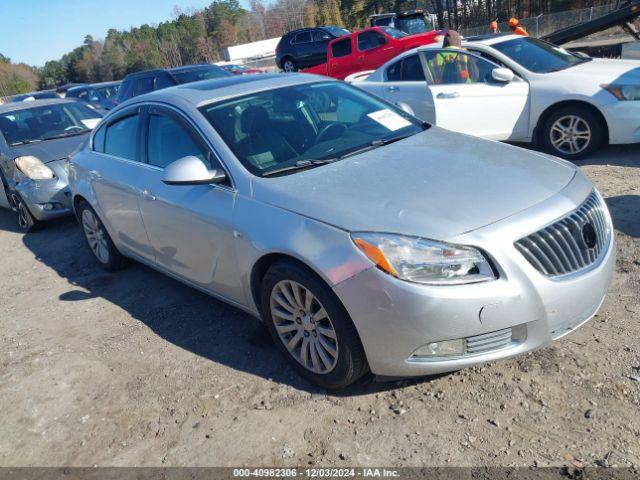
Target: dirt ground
(134, 368)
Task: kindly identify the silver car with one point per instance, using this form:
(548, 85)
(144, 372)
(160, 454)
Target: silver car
(36, 139)
(365, 239)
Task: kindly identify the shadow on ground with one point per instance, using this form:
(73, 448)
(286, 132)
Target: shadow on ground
(625, 213)
(179, 314)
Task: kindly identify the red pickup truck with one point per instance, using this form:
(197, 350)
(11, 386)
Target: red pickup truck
(368, 49)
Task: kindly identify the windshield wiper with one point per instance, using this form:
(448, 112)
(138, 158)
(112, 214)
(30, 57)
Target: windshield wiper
(25, 142)
(64, 135)
(375, 144)
(299, 165)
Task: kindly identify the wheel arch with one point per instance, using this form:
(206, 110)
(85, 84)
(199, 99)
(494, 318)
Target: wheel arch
(542, 119)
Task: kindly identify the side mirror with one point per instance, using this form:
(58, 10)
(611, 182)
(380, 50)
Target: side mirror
(405, 108)
(191, 171)
(503, 75)
(582, 55)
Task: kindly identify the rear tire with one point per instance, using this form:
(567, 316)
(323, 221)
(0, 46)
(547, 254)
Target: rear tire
(326, 349)
(289, 65)
(572, 132)
(99, 241)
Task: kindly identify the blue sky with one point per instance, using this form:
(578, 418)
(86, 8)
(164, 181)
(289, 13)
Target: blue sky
(34, 31)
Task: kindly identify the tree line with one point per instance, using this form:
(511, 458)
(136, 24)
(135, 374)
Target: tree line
(199, 36)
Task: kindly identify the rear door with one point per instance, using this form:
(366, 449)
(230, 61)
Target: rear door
(189, 226)
(341, 60)
(468, 100)
(303, 47)
(406, 83)
(118, 178)
(321, 40)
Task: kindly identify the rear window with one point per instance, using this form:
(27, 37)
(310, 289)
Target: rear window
(341, 48)
(199, 73)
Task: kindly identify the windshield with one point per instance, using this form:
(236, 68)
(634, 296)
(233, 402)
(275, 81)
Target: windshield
(336, 32)
(109, 92)
(47, 122)
(393, 32)
(538, 56)
(305, 124)
(412, 25)
(199, 73)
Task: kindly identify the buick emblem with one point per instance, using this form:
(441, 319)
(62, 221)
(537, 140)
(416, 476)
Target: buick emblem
(589, 236)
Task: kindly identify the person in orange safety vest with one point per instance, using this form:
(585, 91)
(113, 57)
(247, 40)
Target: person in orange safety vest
(514, 25)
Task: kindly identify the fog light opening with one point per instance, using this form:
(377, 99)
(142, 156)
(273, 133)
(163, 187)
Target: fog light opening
(446, 348)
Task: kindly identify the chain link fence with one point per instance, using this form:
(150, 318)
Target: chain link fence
(545, 24)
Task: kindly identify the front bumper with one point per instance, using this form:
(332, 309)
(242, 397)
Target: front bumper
(46, 199)
(394, 317)
(623, 120)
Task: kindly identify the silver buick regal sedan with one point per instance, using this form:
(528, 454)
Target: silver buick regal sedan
(365, 239)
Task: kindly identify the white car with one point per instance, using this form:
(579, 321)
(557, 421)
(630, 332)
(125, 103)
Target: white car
(520, 89)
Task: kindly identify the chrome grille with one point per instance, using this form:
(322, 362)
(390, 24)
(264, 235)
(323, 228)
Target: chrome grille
(489, 341)
(569, 244)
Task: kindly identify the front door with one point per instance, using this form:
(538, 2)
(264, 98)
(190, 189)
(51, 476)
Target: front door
(406, 83)
(117, 179)
(190, 226)
(468, 100)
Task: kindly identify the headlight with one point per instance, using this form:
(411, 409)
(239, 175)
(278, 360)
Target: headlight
(33, 168)
(624, 92)
(425, 261)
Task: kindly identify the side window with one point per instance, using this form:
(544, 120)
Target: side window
(393, 72)
(412, 69)
(121, 138)
(452, 67)
(143, 85)
(341, 48)
(370, 39)
(163, 81)
(98, 139)
(320, 36)
(168, 141)
(304, 37)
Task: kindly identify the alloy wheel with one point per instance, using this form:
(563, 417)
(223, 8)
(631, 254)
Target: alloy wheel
(288, 66)
(304, 327)
(21, 210)
(570, 134)
(96, 236)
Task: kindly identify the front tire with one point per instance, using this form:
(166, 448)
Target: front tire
(289, 65)
(99, 241)
(572, 133)
(311, 327)
(26, 221)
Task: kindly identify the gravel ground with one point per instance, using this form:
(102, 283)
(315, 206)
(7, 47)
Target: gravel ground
(134, 368)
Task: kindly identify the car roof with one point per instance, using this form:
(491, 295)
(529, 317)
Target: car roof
(209, 91)
(106, 84)
(183, 68)
(491, 38)
(17, 106)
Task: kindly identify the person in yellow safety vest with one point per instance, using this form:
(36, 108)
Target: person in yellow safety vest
(514, 25)
(493, 27)
(449, 66)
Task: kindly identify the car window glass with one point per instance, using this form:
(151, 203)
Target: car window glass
(341, 48)
(369, 40)
(303, 37)
(121, 138)
(455, 67)
(143, 85)
(168, 141)
(320, 36)
(412, 69)
(98, 139)
(163, 81)
(393, 72)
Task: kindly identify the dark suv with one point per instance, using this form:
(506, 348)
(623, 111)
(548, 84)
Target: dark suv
(306, 47)
(147, 81)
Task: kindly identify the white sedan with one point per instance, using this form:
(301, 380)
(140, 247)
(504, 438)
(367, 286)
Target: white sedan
(520, 89)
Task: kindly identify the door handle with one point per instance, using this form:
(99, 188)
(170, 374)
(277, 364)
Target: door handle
(448, 95)
(393, 89)
(148, 195)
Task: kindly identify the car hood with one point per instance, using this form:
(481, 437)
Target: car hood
(50, 150)
(437, 184)
(605, 70)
